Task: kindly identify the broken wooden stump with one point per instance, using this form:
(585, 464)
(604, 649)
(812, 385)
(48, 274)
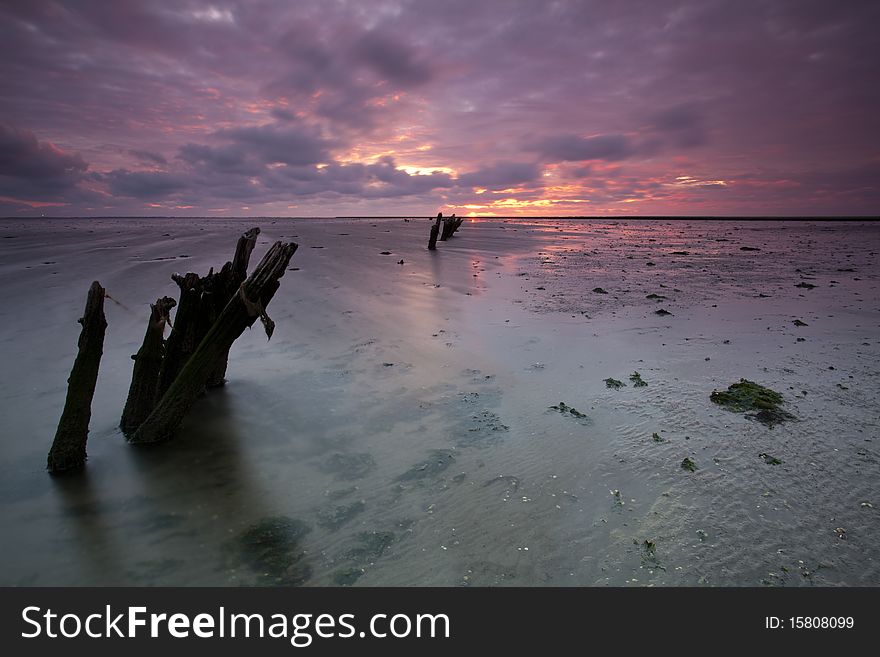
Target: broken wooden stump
(242, 310)
(231, 276)
(435, 231)
(202, 299)
(184, 338)
(456, 224)
(143, 392)
(68, 450)
(450, 225)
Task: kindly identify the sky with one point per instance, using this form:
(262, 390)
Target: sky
(479, 107)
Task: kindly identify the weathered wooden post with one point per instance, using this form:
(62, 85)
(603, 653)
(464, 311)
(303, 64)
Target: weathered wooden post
(68, 450)
(450, 225)
(184, 336)
(435, 231)
(242, 311)
(231, 276)
(456, 224)
(142, 394)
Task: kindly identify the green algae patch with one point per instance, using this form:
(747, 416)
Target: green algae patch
(334, 517)
(657, 437)
(562, 407)
(747, 396)
(347, 576)
(271, 549)
(688, 464)
(637, 380)
(763, 404)
(614, 384)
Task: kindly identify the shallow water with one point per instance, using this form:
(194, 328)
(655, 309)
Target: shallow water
(397, 428)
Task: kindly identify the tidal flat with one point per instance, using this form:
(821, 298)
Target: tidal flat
(445, 418)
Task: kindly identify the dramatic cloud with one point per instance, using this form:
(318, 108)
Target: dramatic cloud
(35, 171)
(273, 145)
(393, 61)
(683, 124)
(504, 174)
(410, 106)
(559, 148)
(22, 156)
(142, 184)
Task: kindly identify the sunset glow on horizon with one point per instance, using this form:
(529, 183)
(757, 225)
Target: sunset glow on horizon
(226, 108)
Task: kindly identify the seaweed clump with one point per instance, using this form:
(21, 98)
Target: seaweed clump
(747, 396)
(614, 384)
(271, 549)
(637, 380)
(562, 407)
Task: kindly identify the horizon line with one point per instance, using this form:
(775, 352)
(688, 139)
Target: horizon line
(854, 217)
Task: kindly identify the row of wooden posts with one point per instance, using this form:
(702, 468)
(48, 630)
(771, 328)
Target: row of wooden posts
(169, 375)
(444, 227)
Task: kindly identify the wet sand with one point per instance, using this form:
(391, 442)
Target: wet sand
(397, 428)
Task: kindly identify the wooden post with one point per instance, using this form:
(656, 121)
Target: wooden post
(435, 231)
(231, 276)
(68, 450)
(184, 336)
(142, 394)
(450, 225)
(242, 311)
(456, 224)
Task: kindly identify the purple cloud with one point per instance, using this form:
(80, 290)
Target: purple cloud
(573, 148)
(340, 107)
(23, 156)
(501, 175)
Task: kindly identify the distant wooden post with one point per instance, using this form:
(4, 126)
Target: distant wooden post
(142, 394)
(68, 450)
(246, 305)
(450, 225)
(435, 231)
(456, 224)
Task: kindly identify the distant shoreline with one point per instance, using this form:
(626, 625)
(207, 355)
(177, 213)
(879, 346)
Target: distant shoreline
(480, 217)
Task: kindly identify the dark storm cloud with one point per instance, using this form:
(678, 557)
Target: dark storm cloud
(684, 125)
(559, 148)
(37, 170)
(393, 60)
(272, 145)
(500, 175)
(23, 156)
(149, 185)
